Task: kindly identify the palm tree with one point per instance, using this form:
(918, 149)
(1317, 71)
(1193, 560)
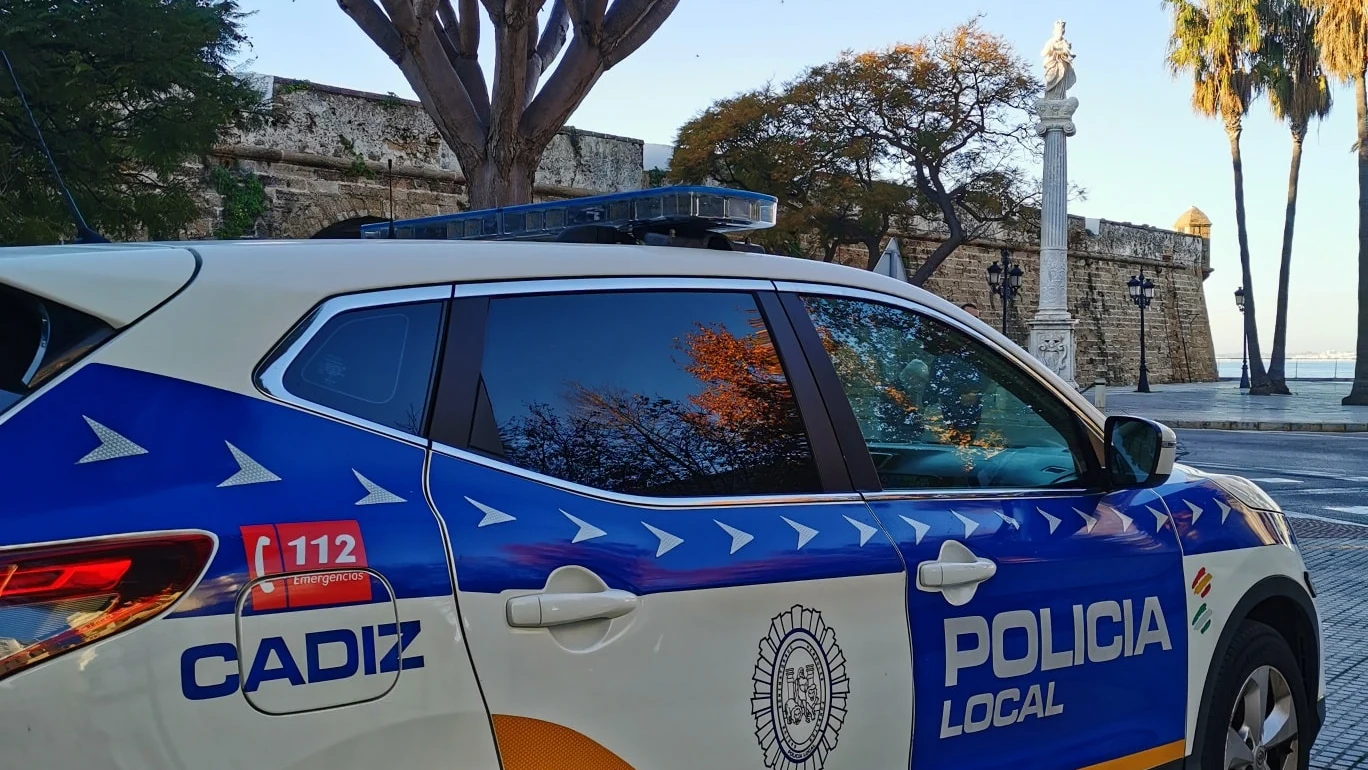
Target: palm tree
(1343, 38)
(1214, 41)
(1289, 67)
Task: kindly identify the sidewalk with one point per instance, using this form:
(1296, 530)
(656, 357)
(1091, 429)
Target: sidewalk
(1313, 406)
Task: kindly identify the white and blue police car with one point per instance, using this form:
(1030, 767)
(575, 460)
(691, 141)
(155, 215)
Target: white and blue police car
(534, 488)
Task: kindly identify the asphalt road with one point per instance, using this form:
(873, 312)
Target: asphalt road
(1321, 481)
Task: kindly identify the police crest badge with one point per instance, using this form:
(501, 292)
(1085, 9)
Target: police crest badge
(799, 691)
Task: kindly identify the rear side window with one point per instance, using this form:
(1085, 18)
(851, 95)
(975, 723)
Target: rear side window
(38, 339)
(373, 363)
(658, 393)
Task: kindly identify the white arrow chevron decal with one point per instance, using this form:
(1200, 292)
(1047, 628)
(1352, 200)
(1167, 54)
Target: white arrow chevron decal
(586, 531)
(375, 494)
(1088, 521)
(1160, 519)
(969, 524)
(1196, 510)
(804, 533)
(668, 542)
(866, 531)
(249, 471)
(1126, 521)
(1225, 510)
(491, 515)
(921, 529)
(112, 445)
(1053, 520)
(739, 538)
(1008, 520)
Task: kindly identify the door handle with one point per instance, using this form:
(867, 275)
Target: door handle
(956, 573)
(547, 610)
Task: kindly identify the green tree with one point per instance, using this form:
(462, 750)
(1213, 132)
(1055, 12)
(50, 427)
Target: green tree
(1214, 41)
(953, 111)
(831, 187)
(500, 131)
(1289, 65)
(125, 92)
(1343, 37)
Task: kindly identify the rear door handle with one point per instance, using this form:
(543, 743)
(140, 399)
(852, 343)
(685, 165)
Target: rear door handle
(956, 573)
(547, 610)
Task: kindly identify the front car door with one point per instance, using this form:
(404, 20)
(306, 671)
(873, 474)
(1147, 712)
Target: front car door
(660, 561)
(1047, 616)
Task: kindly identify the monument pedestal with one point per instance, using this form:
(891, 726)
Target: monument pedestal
(1052, 343)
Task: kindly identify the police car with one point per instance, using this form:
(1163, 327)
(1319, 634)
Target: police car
(538, 488)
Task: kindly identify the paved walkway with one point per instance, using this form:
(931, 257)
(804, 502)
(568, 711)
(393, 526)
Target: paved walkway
(1313, 406)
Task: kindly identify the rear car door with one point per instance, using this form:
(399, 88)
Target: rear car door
(1047, 615)
(660, 561)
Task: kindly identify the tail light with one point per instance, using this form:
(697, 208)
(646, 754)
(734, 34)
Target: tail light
(54, 599)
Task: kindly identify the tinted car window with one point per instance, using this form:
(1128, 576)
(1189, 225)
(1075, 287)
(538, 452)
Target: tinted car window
(652, 393)
(373, 363)
(38, 339)
(939, 410)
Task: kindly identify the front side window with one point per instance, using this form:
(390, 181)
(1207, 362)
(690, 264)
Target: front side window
(373, 363)
(658, 393)
(939, 410)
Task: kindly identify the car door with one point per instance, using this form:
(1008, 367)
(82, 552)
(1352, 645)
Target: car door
(1047, 615)
(660, 561)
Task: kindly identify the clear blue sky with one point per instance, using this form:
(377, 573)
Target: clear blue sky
(1139, 152)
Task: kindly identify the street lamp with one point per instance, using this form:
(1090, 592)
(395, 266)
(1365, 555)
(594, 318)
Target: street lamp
(1004, 281)
(1244, 340)
(1141, 293)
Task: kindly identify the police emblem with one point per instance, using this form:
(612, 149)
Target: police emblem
(799, 693)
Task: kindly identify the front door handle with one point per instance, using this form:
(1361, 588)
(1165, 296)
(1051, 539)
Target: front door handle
(547, 610)
(956, 573)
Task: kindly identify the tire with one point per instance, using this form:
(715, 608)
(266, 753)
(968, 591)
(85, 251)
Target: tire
(1258, 654)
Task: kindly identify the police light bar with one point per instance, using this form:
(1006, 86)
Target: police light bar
(656, 211)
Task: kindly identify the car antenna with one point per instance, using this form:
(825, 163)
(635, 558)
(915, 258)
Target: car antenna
(83, 232)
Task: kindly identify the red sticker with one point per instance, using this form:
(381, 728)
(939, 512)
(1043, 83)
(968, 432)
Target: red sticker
(307, 547)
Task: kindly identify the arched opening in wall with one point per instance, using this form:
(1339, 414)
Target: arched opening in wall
(347, 228)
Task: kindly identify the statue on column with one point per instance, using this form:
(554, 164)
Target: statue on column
(1059, 71)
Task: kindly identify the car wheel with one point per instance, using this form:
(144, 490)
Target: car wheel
(1258, 707)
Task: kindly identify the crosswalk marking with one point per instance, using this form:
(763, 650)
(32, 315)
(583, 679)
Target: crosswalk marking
(1276, 480)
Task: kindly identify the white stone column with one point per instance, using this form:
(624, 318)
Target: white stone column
(1052, 328)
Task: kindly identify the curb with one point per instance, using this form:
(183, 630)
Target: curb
(1293, 427)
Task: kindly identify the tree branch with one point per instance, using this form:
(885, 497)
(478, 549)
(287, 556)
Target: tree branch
(376, 25)
(630, 24)
(577, 72)
(508, 94)
(462, 47)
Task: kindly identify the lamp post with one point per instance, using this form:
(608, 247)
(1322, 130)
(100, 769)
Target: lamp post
(1141, 293)
(1004, 281)
(1244, 340)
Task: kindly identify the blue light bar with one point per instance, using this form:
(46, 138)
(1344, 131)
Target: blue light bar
(713, 209)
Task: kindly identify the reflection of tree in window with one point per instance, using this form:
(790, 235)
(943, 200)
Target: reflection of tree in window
(721, 420)
(935, 408)
(908, 381)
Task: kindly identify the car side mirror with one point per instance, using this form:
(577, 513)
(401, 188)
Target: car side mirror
(1140, 452)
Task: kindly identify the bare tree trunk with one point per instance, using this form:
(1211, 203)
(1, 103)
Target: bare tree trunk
(1359, 394)
(1277, 371)
(1258, 376)
(875, 253)
(503, 182)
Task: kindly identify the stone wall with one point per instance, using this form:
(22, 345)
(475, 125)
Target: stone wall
(1103, 255)
(322, 159)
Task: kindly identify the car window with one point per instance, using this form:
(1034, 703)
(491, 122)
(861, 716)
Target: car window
(374, 363)
(38, 339)
(659, 393)
(939, 410)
